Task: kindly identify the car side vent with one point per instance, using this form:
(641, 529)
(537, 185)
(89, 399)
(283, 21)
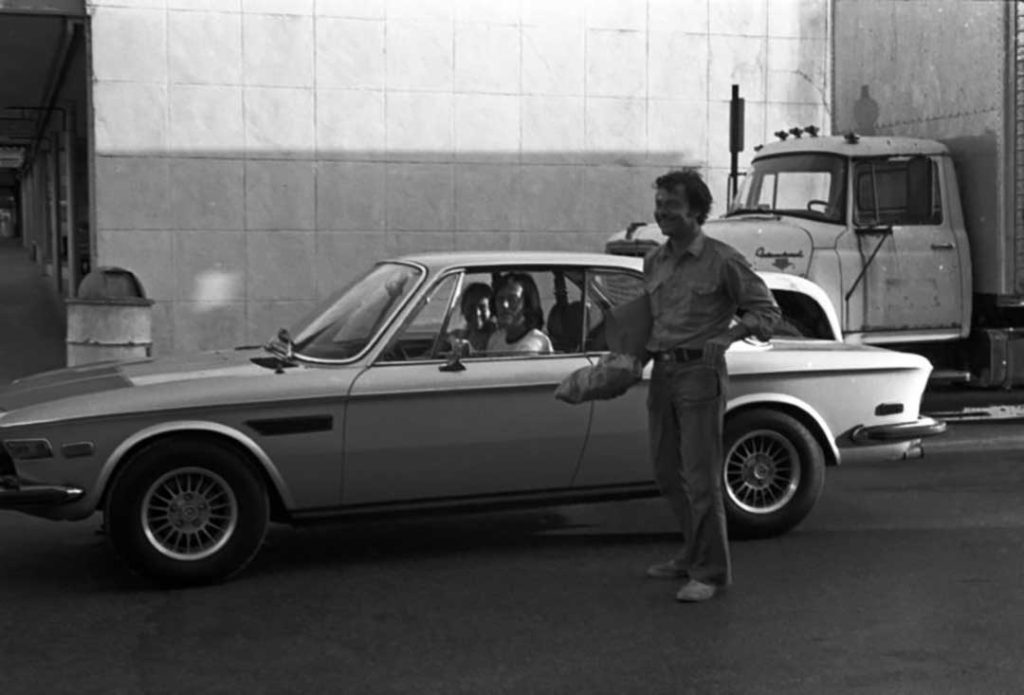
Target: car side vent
(888, 409)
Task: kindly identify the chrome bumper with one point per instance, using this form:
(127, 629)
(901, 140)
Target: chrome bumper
(899, 432)
(19, 494)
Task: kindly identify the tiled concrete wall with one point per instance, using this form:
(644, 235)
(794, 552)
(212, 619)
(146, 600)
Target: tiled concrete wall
(251, 155)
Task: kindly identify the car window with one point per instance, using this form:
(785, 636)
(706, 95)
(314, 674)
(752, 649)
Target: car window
(461, 308)
(558, 316)
(896, 192)
(421, 338)
(607, 289)
(561, 293)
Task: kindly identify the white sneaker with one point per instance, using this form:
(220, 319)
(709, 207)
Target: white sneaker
(694, 591)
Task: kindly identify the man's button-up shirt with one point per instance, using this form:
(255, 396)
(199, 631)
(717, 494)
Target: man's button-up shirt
(695, 294)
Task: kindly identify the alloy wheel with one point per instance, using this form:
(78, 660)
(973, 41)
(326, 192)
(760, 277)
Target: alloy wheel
(762, 471)
(189, 513)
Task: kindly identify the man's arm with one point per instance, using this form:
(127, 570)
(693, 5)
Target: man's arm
(755, 303)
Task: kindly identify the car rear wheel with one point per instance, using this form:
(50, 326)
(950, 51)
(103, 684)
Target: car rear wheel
(773, 475)
(186, 511)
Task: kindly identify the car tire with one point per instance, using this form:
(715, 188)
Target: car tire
(187, 511)
(773, 474)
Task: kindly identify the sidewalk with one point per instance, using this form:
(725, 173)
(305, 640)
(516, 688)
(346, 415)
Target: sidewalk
(32, 319)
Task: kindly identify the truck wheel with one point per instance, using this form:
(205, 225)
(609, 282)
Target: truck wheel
(187, 511)
(774, 472)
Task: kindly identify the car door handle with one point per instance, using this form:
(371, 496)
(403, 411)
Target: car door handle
(942, 247)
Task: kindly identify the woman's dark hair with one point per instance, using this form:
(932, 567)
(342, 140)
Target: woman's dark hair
(698, 195)
(533, 313)
(473, 294)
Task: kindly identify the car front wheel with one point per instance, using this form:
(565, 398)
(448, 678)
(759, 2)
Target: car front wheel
(773, 475)
(187, 512)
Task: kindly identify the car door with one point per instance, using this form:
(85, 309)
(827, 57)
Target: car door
(616, 452)
(418, 430)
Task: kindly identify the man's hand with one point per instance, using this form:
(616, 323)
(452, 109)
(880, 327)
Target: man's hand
(714, 349)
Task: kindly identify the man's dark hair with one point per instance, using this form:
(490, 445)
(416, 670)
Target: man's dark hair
(473, 294)
(533, 313)
(697, 193)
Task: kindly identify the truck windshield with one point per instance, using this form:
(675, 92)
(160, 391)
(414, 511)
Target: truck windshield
(800, 185)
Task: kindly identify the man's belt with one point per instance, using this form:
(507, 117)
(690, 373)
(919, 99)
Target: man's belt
(679, 355)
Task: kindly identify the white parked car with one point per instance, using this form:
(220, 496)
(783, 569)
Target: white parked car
(362, 409)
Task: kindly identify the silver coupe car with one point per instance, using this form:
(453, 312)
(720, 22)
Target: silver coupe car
(365, 408)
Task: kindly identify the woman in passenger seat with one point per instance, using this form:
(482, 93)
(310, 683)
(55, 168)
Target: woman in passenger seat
(475, 306)
(519, 315)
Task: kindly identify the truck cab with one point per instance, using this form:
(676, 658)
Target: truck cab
(875, 221)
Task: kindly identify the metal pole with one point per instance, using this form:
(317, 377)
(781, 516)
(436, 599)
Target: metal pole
(736, 117)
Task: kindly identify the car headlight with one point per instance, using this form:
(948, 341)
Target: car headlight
(28, 449)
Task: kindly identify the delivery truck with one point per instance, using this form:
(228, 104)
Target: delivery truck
(911, 215)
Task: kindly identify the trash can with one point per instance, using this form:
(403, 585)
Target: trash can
(110, 319)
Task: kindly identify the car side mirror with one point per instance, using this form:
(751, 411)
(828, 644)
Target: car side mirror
(460, 348)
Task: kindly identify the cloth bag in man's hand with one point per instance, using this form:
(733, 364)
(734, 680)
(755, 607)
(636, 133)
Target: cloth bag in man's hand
(626, 330)
(612, 376)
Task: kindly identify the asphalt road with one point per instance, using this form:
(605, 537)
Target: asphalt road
(906, 578)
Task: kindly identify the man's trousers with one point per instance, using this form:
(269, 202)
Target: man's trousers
(686, 403)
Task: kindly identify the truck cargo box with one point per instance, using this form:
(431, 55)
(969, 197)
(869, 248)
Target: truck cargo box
(946, 70)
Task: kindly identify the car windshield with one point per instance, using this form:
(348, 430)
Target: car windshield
(345, 323)
(801, 185)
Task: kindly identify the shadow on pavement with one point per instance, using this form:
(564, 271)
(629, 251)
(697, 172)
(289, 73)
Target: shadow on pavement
(340, 544)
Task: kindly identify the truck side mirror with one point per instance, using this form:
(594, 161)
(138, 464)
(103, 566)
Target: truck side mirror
(919, 190)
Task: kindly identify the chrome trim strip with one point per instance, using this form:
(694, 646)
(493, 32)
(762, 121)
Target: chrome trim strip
(483, 388)
(37, 495)
(494, 501)
(898, 432)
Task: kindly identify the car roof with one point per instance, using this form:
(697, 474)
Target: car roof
(438, 261)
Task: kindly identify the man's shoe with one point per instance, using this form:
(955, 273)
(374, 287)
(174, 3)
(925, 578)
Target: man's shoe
(667, 570)
(694, 591)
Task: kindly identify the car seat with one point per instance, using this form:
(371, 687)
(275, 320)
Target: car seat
(565, 319)
(565, 326)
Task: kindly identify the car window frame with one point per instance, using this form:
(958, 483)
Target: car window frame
(594, 270)
(493, 270)
(453, 303)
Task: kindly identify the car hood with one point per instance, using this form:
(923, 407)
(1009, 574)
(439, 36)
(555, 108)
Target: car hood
(74, 390)
(770, 243)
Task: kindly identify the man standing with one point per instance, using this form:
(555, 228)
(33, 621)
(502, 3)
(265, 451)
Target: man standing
(696, 285)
